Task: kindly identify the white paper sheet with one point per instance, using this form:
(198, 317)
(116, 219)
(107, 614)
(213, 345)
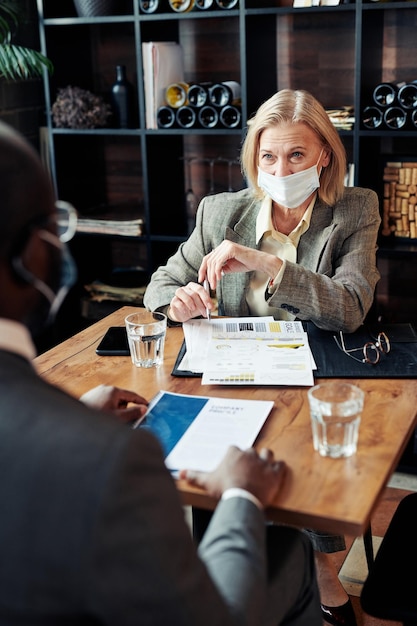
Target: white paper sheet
(253, 350)
(196, 431)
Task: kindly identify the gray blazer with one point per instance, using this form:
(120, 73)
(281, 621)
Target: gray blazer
(92, 530)
(333, 281)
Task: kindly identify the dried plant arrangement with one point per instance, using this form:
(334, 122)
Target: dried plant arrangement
(78, 108)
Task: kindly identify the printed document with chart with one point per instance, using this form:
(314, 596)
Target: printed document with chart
(249, 351)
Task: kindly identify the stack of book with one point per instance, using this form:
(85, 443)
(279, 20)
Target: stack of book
(99, 292)
(126, 228)
(343, 118)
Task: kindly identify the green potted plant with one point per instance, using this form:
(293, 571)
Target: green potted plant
(17, 62)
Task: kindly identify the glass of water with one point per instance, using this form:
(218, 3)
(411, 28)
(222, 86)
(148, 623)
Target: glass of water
(335, 410)
(146, 333)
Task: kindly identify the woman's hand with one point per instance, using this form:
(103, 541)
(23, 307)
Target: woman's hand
(231, 257)
(193, 300)
(116, 401)
(189, 302)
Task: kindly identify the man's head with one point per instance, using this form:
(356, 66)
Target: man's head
(27, 209)
(25, 191)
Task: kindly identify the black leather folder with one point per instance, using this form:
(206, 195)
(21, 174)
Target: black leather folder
(331, 362)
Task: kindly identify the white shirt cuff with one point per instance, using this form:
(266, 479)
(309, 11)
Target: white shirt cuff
(237, 492)
(276, 281)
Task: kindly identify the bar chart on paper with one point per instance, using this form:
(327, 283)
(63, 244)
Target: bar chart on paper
(245, 351)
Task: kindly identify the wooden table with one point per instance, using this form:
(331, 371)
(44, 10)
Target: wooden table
(337, 495)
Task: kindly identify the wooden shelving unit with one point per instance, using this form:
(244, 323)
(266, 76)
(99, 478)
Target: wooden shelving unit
(339, 53)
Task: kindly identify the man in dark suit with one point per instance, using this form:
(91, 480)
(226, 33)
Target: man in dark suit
(91, 528)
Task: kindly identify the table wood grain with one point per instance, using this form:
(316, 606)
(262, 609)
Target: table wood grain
(337, 495)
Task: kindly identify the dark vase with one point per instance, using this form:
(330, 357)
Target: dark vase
(121, 95)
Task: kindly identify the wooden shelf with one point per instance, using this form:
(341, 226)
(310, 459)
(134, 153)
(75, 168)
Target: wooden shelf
(338, 53)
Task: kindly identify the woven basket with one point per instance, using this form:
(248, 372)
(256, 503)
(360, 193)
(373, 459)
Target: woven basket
(94, 8)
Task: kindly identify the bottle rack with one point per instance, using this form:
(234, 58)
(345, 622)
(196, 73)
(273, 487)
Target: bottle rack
(394, 107)
(262, 45)
(149, 7)
(205, 117)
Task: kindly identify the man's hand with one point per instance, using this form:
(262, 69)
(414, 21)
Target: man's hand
(116, 401)
(259, 474)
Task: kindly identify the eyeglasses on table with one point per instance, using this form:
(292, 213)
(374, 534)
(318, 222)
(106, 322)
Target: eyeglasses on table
(371, 350)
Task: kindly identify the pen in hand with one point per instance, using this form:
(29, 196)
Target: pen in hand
(207, 288)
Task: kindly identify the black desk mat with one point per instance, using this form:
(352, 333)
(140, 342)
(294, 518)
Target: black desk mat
(331, 362)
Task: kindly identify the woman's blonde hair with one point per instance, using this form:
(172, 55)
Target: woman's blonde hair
(296, 106)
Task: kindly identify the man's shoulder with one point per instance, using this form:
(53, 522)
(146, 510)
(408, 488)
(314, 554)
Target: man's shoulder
(50, 408)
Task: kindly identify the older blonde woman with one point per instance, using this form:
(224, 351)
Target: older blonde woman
(314, 260)
(296, 244)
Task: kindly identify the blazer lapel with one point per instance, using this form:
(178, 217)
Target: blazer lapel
(313, 243)
(244, 231)
(234, 286)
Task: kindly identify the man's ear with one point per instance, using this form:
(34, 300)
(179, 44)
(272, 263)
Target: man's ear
(28, 260)
(20, 274)
(17, 280)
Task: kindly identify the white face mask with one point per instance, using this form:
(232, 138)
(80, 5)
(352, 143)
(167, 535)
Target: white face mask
(290, 191)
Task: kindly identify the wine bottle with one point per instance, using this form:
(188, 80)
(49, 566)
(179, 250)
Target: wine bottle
(121, 97)
(148, 6)
(372, 117)
(176, 95)
(413, 118)
(165, 117)
(227, 4)
(230, 116)
(385, 94)
(407, 96)
(198, 94)
(395, 118)
(228, 92)
(186, 117)
(204, 4)
(208, 116)
(181, 6)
